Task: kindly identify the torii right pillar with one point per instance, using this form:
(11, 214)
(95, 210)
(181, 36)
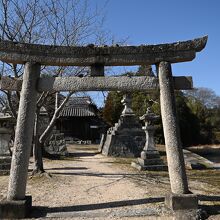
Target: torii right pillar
(180, 197)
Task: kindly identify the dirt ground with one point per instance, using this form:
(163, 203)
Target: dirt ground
(88, 185)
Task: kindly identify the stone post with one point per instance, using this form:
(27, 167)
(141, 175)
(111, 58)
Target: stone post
(24, 133)
(175, 159)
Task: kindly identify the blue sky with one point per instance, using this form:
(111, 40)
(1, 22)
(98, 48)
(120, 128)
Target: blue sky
(162, 21)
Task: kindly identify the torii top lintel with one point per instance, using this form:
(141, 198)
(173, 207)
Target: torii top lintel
(20, 53)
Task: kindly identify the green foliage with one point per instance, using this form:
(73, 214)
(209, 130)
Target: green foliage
(113, 107)
(217, 136)
(188, 122)
(214, 118)
(208, 120)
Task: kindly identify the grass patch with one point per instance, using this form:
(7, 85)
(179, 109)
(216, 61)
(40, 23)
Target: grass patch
(211, 177)
(121, 160)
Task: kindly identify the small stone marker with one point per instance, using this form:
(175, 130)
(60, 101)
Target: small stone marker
(56, 144)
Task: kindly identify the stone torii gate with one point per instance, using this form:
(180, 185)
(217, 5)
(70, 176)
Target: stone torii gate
(33, 56)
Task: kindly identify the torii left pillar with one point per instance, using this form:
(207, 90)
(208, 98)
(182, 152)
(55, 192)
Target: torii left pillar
(17, 205)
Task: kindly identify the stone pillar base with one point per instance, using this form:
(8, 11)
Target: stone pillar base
(154, 167)
(177, 202)
(150, 160)
(15, 209)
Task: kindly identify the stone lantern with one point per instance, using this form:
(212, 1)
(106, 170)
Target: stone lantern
(150, 157)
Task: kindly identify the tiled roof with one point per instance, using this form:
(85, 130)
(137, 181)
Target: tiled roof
(78, 112)
(79, 101)
(79, 107)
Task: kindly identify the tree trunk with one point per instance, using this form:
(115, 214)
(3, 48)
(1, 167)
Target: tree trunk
(49, 128)
(13, 111)
(37, 147)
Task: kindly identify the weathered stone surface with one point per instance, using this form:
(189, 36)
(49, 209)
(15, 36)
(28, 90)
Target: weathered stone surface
(123, 83)
(181, 201)
(15, 209)
(149, 167)
(127, 138)
(23, 133)
(126, 101)
(15, 52)
(56, 145)
(153, 161)
(182, 82)
(150, 157)
(175, 159)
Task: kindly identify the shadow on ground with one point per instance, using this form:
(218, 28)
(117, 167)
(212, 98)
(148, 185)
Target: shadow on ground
(67, 168)
(97, 174)
(83, 154)
(212, 209)
(41, 211)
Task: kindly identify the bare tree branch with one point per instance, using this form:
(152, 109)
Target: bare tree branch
(49, 128)
(54, 22)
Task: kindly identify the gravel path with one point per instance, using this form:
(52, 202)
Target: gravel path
(87, 185)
